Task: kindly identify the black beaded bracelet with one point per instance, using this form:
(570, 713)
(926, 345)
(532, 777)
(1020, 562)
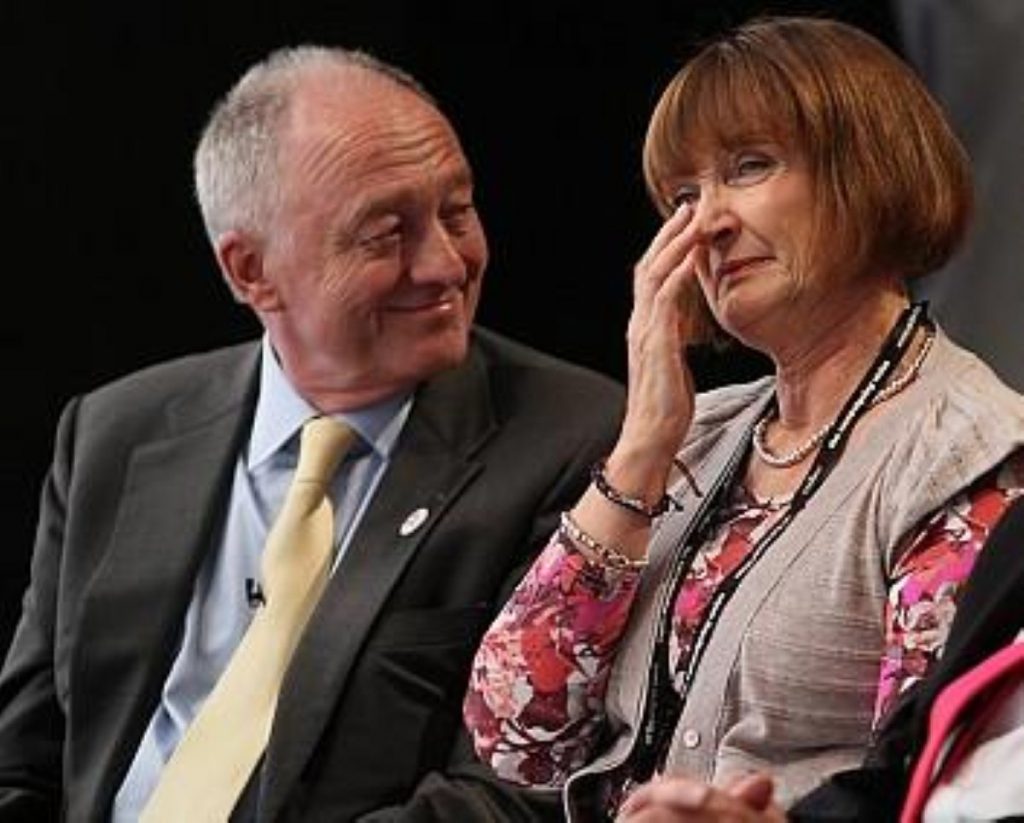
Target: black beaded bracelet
(626, 501)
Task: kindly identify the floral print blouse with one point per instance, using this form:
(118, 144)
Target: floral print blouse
(536, 695)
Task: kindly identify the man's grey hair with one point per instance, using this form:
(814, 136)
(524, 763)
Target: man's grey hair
(235, 163)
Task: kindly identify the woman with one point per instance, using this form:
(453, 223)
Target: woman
(802, 566)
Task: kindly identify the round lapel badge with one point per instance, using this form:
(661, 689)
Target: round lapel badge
(416, 518)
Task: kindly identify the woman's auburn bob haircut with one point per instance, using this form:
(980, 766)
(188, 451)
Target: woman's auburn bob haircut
(892, 181)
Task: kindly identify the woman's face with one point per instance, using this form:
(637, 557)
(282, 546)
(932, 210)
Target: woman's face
(755, 213)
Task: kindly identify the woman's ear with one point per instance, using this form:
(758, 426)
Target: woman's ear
(241, 258)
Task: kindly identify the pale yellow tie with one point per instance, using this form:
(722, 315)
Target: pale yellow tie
(205, 776)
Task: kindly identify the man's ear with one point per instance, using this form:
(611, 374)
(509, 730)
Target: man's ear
(241, 258)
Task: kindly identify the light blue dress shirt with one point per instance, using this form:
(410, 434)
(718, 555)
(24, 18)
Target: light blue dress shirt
(219, 612)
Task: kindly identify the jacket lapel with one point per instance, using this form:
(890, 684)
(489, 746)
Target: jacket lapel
(433, 464)
(133, 610)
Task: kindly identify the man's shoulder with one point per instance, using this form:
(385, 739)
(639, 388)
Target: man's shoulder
(219, 373)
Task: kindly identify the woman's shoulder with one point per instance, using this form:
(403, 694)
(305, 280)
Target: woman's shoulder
(961, 397)
(719, 405)
(957, 425)
(960, 415)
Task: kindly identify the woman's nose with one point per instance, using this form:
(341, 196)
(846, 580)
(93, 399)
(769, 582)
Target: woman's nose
(716, 220)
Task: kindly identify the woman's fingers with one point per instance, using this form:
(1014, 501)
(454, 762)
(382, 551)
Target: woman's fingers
(682, 800)
(676, 222)
(669, 246)
(755, 790)
(660, 280)
(672, 288)
(660, 397)
(676, 793)
(656, 335)
(658, 312)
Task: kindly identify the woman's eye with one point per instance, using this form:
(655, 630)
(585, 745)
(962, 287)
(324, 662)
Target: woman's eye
(687, 194)
(749, 169)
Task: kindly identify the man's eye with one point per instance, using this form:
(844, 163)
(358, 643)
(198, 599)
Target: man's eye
(687, 194)
(458, 218)
(381, 240)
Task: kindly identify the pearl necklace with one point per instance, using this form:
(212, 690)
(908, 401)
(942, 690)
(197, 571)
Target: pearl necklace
(801, 452)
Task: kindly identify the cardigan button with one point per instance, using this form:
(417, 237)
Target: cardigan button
(691, 738)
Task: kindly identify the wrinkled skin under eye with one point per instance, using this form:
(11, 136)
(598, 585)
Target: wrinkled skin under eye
(742, 170)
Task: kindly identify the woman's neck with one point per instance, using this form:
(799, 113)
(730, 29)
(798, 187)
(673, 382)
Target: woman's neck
(818, 371)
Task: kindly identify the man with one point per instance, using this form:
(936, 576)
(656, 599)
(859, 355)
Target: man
(953, 746)
(340, 208)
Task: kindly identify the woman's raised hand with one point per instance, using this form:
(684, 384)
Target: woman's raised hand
(661, 393)
(660, 403)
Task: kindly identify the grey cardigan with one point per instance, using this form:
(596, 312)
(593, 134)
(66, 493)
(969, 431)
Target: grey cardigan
(788, 681)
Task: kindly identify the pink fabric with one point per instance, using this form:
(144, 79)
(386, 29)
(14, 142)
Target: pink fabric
(951, 709)
(927, 581)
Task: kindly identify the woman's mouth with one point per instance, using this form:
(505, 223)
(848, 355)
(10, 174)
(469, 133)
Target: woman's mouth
(740, 264)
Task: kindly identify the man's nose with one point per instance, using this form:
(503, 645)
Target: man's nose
(436, 258)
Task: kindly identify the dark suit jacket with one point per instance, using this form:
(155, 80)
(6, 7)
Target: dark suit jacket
(370, 712)
(988, 617)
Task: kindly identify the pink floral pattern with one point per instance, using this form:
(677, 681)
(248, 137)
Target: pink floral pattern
(536, 695)
(545, 663)
(927, 580)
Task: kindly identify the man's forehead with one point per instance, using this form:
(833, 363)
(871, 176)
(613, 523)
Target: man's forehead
(373, 152)
(379, 151)
(371, 121)
(353, 95)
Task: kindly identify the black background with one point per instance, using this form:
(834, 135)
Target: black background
(106, 266)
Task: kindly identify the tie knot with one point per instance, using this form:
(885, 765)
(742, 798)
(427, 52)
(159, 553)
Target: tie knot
(324, 444)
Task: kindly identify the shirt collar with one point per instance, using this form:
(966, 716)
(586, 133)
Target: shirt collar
(281, 411)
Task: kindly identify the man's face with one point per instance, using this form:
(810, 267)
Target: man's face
(376, 253)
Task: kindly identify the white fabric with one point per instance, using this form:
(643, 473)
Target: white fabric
(990, 783)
